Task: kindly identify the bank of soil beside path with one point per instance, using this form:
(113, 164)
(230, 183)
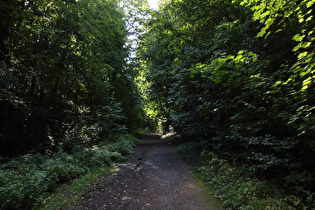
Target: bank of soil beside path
(156, 177)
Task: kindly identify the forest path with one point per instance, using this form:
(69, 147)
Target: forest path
(156, 177)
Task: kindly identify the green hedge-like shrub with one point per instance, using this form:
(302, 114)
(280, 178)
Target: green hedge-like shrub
(236, 186)
(27, 180)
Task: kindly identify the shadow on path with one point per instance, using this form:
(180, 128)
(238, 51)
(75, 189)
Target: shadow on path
(156, 177)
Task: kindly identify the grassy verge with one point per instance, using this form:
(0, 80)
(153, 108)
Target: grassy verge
(233, 184)
(68, 196)
(28, 181)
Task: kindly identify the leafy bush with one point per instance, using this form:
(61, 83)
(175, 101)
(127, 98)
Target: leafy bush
(236, 186)
(22, 185)
(124, 145)
(247, 99)
(140, 131)
(26, 180)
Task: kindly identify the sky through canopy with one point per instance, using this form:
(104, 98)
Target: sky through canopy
(153, 4)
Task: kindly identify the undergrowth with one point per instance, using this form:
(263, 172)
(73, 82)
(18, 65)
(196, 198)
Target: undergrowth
(68, 196)
(140, 131)
(26, 181)
(235, 186)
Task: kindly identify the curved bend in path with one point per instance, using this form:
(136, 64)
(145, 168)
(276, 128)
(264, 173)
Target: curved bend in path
(156, 177)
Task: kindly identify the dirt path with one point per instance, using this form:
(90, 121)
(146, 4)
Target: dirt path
(155, 178)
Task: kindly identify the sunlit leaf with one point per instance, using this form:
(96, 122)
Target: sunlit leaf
(303, 54)
(298, 37)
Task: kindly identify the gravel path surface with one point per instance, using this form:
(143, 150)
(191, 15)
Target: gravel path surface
(156, 177)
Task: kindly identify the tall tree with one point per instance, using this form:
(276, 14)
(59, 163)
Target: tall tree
(248, 98)
(63, 66)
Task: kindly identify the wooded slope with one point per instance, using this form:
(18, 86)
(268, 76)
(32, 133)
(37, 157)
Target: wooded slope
(238, 76)
(64, 74)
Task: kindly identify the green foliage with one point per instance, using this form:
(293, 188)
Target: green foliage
(69, 194)
(124, 146)
(27, 180)
(140, 131)
(57, 59)
(235, 186)
(279, 15)
(67, 95)
(247, 98)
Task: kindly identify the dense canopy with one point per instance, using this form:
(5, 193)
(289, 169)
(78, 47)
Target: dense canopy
(235, 76)
(63, 72)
